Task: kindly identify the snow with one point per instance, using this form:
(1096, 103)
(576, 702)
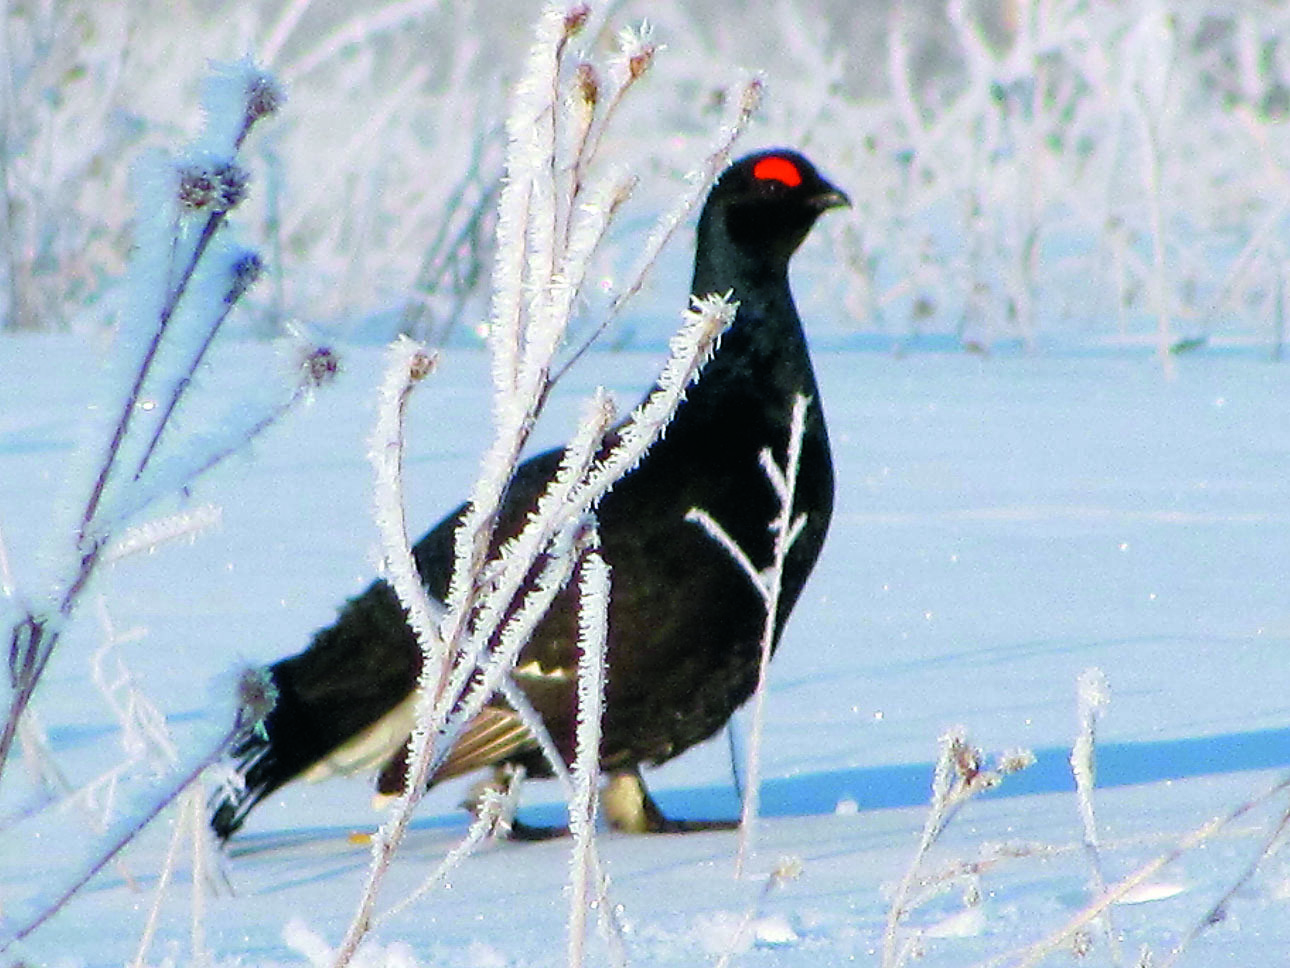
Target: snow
(1004, 524)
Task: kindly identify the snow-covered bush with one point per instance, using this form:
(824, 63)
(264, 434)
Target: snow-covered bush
(1002, 157)
(188, 270)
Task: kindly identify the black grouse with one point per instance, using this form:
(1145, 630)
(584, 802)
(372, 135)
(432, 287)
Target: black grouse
(684, 620)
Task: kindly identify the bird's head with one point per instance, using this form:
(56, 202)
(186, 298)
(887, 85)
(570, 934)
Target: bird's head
(766, 203)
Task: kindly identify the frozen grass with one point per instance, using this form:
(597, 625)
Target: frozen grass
(1027, 172)
(188, 270)
(555, 213)
(185, 279)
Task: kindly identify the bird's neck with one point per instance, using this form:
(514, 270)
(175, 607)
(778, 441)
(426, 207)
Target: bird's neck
(764, 349)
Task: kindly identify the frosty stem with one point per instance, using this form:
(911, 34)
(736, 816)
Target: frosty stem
(1037, 952)
(785, 528)
(125, 836)
(960, 774)
(1093, 694)
(593, 633)
(548, 230)
(34, 637)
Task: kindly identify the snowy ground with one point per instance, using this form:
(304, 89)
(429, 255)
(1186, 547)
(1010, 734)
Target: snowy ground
(1003, 524)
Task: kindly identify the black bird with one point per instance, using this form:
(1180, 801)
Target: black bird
(684, 620)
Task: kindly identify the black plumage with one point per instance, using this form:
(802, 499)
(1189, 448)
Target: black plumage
(685, 621)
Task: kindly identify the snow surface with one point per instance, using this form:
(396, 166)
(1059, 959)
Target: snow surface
(1002, 524)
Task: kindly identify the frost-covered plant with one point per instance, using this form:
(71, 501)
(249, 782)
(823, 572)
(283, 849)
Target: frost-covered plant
(1004, 171)
(410, 145)
(1004, 165)
(188, 272)
(1076, 925)
(593, 634)
(960, 774)
(785, 528)
(1093, 695)
(786, 869)
(557, 202)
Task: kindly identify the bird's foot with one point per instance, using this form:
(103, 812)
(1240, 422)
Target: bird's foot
(666, 825)
(628, 808)
(532, 833)
(631, 809)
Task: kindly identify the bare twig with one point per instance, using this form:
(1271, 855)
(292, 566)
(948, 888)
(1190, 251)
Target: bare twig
(959, 775)
(1218, 911)
(1093, 694)
(784, 528)
(124, 837)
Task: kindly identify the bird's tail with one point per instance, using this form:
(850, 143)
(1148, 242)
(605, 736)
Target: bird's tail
(254, 766)
(251, 772)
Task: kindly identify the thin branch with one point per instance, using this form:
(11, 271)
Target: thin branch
(665, 228)
(784, 480)
(1035, 953)
(728, 544)
(593, 632)
(124, 838)
(1218, 911)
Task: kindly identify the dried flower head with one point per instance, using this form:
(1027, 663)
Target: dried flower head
(636, 50)
(263, 97)
(319, 366)
(966, 759)
(256, 696)
(750, 98)
(247, 268)
(421, 365)
(1014, 761)
(586, 86)
(211, 188)
(575, 19)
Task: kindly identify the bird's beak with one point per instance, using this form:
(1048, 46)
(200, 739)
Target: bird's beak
(832, 198)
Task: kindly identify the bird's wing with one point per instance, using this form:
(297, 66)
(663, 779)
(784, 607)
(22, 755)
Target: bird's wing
(496, 734)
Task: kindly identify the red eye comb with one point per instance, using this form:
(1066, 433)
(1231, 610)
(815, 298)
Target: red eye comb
(777, 169)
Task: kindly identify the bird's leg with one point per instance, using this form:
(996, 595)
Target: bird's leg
(631, 809)
(628, 807)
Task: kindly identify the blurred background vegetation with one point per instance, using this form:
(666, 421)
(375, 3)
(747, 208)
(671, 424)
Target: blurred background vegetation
(1024, 173)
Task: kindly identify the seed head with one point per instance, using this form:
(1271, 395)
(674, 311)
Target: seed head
(636, 49)
(1014, 761)
(586, 85)
(576, 19)
(256, 696)
(319, 366)
(421, 365)
(263, 97)
(212, 188)
(966, 759)
(246, 270)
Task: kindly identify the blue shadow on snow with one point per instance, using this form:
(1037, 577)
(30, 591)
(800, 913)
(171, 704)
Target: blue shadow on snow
(909, 784)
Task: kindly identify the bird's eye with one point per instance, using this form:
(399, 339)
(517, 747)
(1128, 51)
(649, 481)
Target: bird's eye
(777, 169)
